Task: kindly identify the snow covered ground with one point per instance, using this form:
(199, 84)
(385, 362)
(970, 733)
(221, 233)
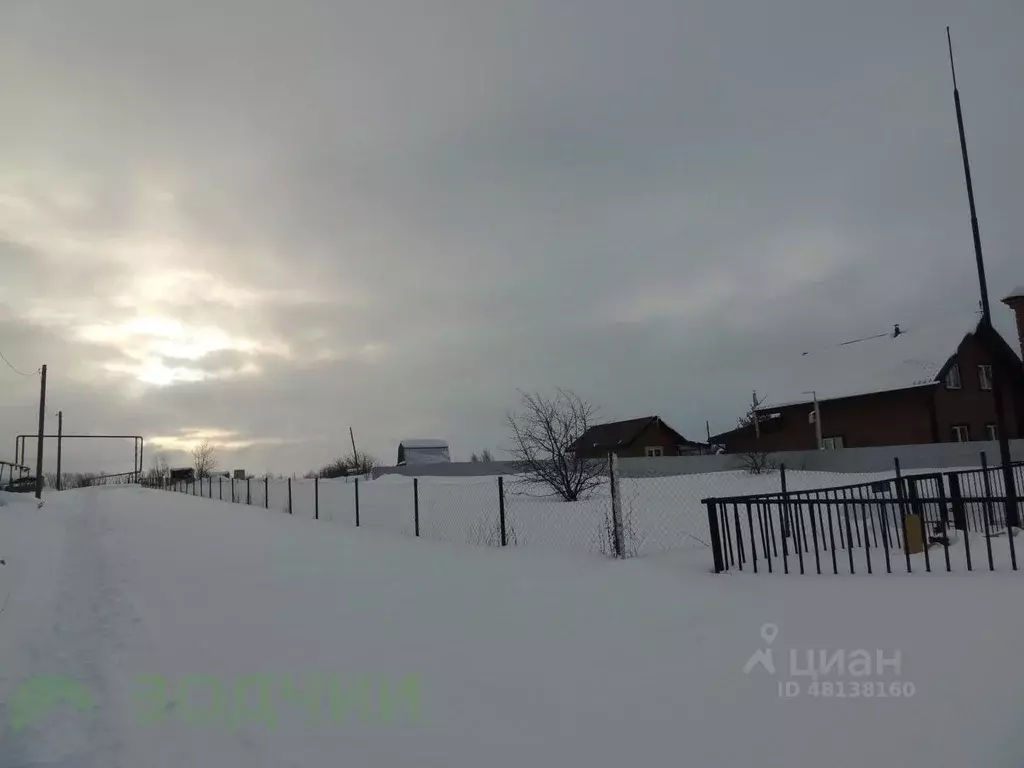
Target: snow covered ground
(141, 628)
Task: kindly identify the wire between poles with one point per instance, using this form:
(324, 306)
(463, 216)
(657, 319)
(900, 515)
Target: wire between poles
(11, 366)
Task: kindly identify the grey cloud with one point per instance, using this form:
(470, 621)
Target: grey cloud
(654, 203)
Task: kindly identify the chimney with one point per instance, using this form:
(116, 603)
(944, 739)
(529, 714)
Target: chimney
(1015, 301)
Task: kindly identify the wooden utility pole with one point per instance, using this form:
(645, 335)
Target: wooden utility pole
(42, 431)
(352, 437)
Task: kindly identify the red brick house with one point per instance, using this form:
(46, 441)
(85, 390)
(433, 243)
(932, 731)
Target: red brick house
(929, 384)
(649, 436)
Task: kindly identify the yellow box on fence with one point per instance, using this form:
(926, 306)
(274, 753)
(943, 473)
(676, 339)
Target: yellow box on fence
(915, 534)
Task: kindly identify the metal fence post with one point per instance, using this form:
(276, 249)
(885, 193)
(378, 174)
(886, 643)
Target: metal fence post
(613, 478)
(785, 503)
(940, 481)
(416, 502)
(901, 494)
(220, 489)
(716, 535)
(501, 509)
(266, 492)
(988, 490)
(248, 491)
(290, 512)
(316, 498)
(959, 512)
(990, 517)
(357, 502)
(918, 509)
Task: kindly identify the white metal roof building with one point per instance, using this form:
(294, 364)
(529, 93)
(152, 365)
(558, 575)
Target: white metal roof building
(423, 451)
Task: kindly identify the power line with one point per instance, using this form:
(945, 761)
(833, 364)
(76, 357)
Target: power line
(11, 366)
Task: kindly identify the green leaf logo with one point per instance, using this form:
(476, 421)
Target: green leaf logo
(38, 695)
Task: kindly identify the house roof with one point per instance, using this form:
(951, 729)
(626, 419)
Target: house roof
(1016, 293)
(425, 442)
(915, 357)
(618, 434)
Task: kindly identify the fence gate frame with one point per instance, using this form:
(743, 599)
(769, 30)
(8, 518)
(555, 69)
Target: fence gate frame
(139, 441)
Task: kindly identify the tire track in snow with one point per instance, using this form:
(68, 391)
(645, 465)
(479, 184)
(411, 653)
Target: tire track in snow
(65, 610)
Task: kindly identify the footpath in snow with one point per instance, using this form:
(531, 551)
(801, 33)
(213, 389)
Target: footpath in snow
(141, 628)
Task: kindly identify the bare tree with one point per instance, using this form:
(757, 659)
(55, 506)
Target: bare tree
(205, 461)
(758, 462)
(484, 456)
(159, 469)
(357, 463)
(751, 416)
(544, 435)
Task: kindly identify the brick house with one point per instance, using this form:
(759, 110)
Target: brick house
(918, 385)
(649, 436)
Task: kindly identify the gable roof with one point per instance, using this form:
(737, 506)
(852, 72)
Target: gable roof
(915, 357)
(1016, 293)
(619, 434)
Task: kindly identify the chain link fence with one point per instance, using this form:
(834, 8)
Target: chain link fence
(622, 516)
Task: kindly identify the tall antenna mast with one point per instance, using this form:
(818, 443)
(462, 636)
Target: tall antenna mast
(982, 282)
(1002, 434)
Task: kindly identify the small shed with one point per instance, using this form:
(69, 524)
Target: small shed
(423, 451)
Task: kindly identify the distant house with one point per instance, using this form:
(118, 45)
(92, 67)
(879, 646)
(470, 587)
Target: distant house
(649, 436)
(929, 384)
(423, 451)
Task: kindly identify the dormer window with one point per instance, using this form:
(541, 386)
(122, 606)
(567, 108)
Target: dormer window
(985, 377)
(953, 377)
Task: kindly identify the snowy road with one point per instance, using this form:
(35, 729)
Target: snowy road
(142, 628)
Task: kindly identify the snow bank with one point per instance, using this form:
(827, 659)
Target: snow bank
(521, 657)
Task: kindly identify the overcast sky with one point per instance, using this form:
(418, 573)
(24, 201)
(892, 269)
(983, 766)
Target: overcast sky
(262, 222)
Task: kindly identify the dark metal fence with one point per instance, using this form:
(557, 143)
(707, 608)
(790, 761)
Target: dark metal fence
(490, 511)
(935, 521)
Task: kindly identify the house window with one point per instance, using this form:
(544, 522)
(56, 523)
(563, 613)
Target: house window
(831, 443)
(653, 451)
(990, 432)
(985, 377)
(953, 377)
(961, 434)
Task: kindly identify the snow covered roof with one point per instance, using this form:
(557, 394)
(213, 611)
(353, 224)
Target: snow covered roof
(879, 363)
(1016, 293)
(426, 442)
(423, 451)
